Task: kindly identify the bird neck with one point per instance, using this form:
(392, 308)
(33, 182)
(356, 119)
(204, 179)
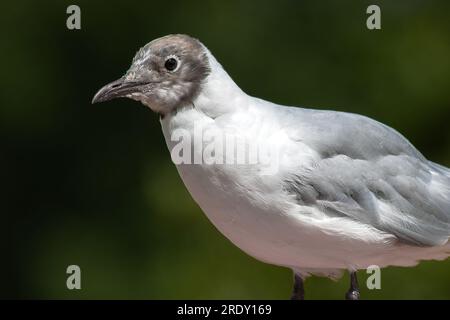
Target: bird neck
(219, 94)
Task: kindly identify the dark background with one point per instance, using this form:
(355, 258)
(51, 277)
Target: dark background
(93, 185)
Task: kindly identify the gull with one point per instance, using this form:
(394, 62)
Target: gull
(343, 193)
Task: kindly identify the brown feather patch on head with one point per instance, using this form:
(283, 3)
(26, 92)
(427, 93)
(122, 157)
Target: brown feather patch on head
(167, 89)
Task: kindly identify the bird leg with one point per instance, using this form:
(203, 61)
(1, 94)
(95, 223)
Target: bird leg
(353, 292)
(298, 291)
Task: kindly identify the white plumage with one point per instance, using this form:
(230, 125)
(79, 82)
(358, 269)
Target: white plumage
(347, 194)
(343, 192)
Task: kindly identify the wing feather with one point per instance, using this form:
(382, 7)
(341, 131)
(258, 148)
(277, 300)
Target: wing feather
(368, 172)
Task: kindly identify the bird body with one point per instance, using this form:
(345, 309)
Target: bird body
(343, 191)
(262, 215)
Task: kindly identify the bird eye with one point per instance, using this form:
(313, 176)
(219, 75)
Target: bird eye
(171, 63)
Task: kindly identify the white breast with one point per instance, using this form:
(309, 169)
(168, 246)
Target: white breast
(249, 206)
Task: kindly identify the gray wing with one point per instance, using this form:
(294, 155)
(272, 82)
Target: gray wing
(370, 173)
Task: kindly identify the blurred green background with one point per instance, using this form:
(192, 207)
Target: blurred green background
(93, 185)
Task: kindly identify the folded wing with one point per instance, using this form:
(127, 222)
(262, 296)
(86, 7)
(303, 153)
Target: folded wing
(368, 172)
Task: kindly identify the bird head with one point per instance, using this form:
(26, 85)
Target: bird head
(165, 74)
